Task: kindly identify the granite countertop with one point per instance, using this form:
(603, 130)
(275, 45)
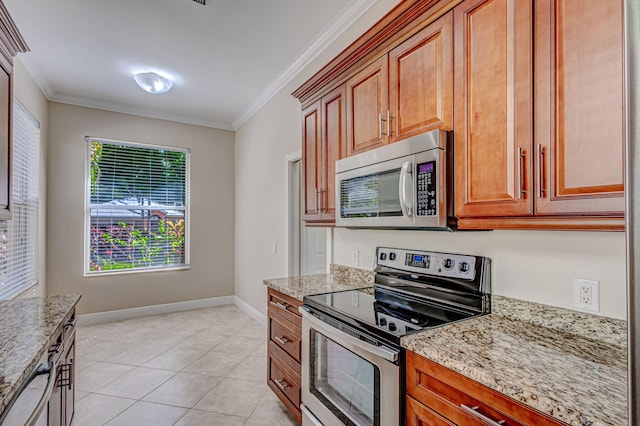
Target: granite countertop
(340, 278)
(26, 329)
(569, 365)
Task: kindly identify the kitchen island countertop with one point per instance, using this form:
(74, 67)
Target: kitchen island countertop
(339, 278)
(27, 327)
(566, 364)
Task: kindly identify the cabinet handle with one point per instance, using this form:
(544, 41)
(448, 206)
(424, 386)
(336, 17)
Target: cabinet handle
(382, 120)
(318, 200)
(389, 117)
(56, 348)
(282, 305)
(474, 411)
(541, 189)
(522, 155)
(282, 340)
(281, 385)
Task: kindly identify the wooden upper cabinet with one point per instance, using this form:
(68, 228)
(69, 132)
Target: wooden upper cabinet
(421, 81)
(579, 121)
(334, 141)
(311, 162)
(367, 107)
(324, 142)
(493, 108)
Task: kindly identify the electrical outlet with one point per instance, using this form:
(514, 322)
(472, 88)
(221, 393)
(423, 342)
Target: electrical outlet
(355, 258)
(275, 248)
(355, 299)
(586, 294)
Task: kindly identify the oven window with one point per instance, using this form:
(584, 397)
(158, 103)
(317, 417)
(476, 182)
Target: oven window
(346, 383)
(374, 195)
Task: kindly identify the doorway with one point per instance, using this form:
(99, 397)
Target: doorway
(308, 253)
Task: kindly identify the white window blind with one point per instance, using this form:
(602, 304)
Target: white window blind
(137, 207)
(19, 236)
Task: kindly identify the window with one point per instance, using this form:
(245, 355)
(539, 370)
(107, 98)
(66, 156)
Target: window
(137, 215)
(19, 236)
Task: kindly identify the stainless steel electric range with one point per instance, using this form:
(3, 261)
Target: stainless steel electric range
(352, 361)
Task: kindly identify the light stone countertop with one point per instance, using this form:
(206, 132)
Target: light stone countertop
(26, 329)
(569, 365)
(340, 278)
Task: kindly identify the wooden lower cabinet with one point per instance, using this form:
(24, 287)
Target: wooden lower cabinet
(439, 396)
(61, 407)
(283, 350)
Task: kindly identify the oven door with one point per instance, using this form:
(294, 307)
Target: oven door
(405, 192)
(376, 195)
(346, 381)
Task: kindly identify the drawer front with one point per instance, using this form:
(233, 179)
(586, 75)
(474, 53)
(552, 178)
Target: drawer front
(283, 382)
(286, 335)
(446, 392)
(286, 306)
(419, 415)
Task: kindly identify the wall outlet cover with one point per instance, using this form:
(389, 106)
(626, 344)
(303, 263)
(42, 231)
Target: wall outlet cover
(586, 294)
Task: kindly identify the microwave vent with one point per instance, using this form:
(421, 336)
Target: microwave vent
(202, 2)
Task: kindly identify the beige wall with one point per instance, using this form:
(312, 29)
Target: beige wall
(262, 145)
(212, 212)
(531, 265)
(29, 94)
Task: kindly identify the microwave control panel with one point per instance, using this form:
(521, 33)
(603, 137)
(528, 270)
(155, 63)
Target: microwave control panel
(427, 196)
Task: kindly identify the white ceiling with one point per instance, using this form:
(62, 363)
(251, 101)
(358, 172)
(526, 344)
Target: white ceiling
(226, 58)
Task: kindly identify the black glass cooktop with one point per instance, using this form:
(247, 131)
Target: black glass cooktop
(383, 312)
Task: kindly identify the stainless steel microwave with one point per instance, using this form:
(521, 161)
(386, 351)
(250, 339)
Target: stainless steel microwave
(407, 184)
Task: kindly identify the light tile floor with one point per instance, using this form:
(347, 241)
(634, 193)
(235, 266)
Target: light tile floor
(200, 367)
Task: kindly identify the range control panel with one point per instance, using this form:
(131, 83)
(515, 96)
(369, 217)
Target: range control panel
(427, 201)
(432, 263)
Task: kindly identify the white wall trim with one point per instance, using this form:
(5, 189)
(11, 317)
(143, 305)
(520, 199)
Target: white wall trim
(294, 156)
(167, 308)
(345, 19)
(250, 310)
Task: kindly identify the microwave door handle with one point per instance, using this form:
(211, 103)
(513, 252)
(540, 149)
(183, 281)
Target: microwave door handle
(405, 172)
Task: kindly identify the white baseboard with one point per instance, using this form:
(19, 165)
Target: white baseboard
(166, 308)
(250, 310)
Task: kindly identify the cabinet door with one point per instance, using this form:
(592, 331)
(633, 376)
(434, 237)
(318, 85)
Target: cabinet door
(334, 147)
(579, 121)
(311, 158)
(420, 415)
(55, 415)
(367, 106)
(421, 81)
(69, 388)
(493, 108)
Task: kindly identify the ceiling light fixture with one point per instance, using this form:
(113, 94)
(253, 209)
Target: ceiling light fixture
(153, 83)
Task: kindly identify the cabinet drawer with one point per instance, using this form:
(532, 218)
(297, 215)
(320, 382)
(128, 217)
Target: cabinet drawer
(285, 335)
(446, 391)
(284, 383)
(286, 306)
(418, 415)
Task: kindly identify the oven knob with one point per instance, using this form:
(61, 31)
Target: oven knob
(383, 256)
(464, 267)
(392, 326)
(383, 321)
(392, 256)
(448, 264)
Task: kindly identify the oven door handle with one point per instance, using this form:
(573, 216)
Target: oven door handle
(405, 171)
(383, 352)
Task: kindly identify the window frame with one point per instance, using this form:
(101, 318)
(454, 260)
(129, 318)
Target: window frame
(87, 209)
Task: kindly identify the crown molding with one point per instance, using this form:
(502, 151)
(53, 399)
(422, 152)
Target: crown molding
(349, 14)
